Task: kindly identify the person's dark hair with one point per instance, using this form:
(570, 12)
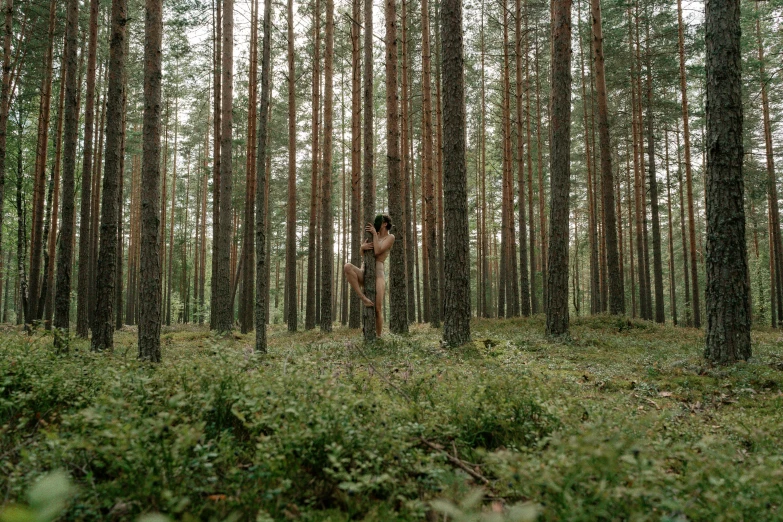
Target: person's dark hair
(380, 219)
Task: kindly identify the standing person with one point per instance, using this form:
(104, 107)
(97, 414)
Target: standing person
(381, 244)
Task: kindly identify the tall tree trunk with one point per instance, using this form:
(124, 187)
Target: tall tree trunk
(427, 171)
(21, 232)
(103, 326)
(312, 231)
(592, 225)
(262, 187)
(672, 278)
(42, 148)
(660, 316)
(398, 293)
(776, 248)
(217, 50)
(560, 170)
(224, 310)
(150, 291)
(56, 168)
(694, 276)
(456, 317)
(290, 251)
(520, 162)
(368, 196)
(246, 299)
(406, 158)
(5, 105)
(83, 289)
(616, 297)
(327, 223)
(62, 297)
(727, 290)
(356, 155)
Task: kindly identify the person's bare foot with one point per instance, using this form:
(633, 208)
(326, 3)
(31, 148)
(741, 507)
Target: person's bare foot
(367, 302)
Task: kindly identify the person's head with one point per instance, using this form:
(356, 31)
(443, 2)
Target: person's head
(381, 220)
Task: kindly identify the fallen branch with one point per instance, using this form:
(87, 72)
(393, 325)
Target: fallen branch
(457, 462)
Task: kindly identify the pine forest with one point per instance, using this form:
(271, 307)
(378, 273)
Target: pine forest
(491, 260)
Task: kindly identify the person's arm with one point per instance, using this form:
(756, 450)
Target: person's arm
(380, 246)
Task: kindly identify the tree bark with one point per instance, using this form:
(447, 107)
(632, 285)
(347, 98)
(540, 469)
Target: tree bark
(327, 223)
(560, 171)
(106, 268)
(39, 192)
(368, 196)
(5, 103)
(71, 120)
(262, 262)
(83, 289)
(312, 231)
(616, 297)
(246, 299)
(727, 290)
(456, 317)
(354, 320)
(520, 162)
(290, 251)
(694, 276)
(150, 291)
(224, 311)
(398, 293)
(427, 172)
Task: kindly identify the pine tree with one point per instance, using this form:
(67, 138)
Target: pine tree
(557, 264)
(71, 120)
(456, 316)
(727, 290)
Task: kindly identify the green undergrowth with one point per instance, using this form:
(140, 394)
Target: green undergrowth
(623, 421)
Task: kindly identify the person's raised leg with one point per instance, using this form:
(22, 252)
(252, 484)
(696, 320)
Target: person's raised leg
(380, 289)
(355, 277)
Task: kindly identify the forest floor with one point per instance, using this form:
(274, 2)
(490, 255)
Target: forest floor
(625, 421)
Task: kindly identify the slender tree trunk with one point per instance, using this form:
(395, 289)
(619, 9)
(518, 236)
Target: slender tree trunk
(520, 161)
(39, 176)
(224, 312)
(592, 226)
(5, 105)
(368, 196)
(83, 290)
(660, 316)
(672, 278)
(246, 299)
(62, 298)
(398, 293)
(106, 271)
(534, 307)
(727, 290)
(327, 223)
(290, 252)
(683, 235)
(427, 172)
(776, 249)
(217, 49)
(312, 232)
(52, 248)
(356, 156)
(150, 292)
(406, 169)
(696, 309)
(557, 265)
(616, 297)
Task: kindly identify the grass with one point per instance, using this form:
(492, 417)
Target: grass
(624, 421)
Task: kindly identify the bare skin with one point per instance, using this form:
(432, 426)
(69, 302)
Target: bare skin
(381, 244)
